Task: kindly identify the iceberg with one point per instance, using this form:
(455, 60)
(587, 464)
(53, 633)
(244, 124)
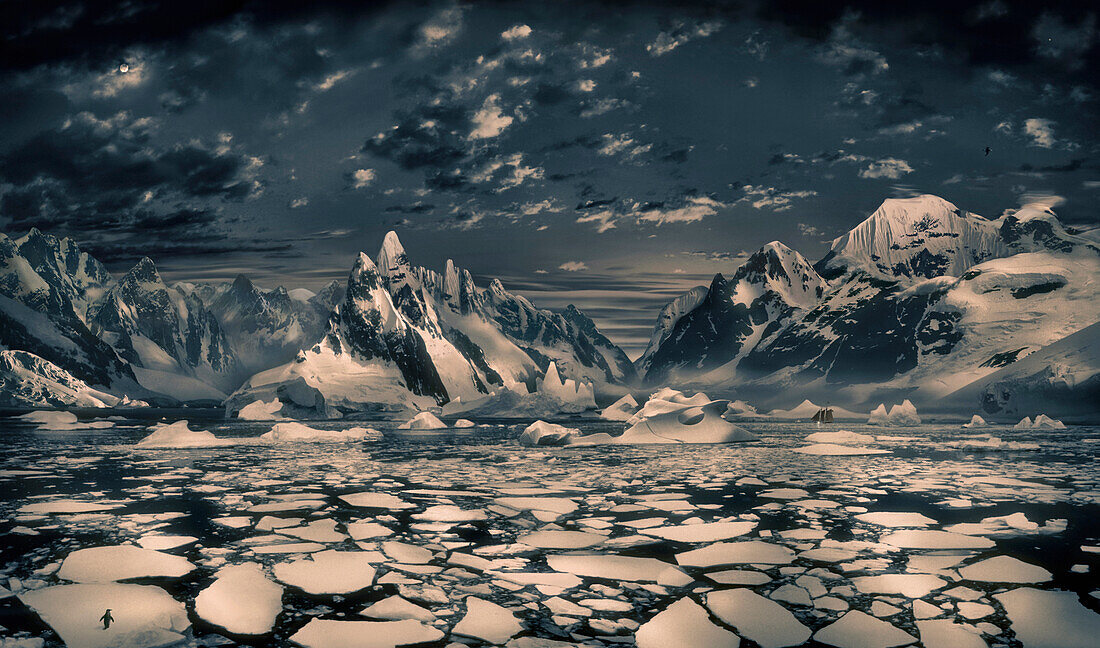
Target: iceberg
(976, 421)
(260, 411)
(1041, 422)
(178, 435)
(567, 391)
(242, 600)
(541, 433)
(62, 421)
(807, 408)
(620, 410)
(903, 414)
(296, 432)
(693, 424)
(423, 421)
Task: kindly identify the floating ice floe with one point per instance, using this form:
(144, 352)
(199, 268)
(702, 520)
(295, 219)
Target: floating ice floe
(832, 449)
(736, 553)
(323, 530)
(376, 500)
(703, 532)
(908, 585)
(121, 562)
(178, 435)
(145, 616)
(756, 618)
(975, 421)
(261, 411)
(68, 507)
(450, 513)
(158, 542)
(296, 432)
(1004, 569)
(396, 608)
(1049, 619)
(859, 630)
(488, 622)
(327, 633)
(541, 433)
(620, 410)
(624, 568)
(423, 421)
(59, 421)
(554, 539)
(990, 443)
(463, 423)
(1007, 526)
(894, 519)
(934, 539)
(1041, 422)
(241, 600)
(903, 414)
(329, 572)
(945, 633)
(684, 624)
(843, 437)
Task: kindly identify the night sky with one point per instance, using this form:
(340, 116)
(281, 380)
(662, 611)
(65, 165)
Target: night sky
(607, 155)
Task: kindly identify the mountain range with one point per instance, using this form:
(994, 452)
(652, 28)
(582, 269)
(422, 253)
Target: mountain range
(921, 300)
(918, 301)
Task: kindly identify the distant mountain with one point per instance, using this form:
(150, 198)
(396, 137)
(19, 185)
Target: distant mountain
(265, 328)
(159, 329)
(773, 286)
(407, 337)
(921, 299)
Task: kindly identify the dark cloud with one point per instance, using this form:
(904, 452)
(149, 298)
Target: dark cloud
(94, 175)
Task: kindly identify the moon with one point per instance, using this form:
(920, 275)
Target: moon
(124, 68)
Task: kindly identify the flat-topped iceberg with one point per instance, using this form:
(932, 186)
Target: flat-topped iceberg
(62, 421)
(297, 432)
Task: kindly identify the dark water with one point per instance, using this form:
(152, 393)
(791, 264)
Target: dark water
(182, 491)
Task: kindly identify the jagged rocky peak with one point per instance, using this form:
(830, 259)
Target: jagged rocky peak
(144, 271)
(920, 237)
(458, 290)
(329, 296)
(785, 271)
(63, 265)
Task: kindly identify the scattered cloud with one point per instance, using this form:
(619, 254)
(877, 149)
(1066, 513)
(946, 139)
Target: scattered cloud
(489, 120)
(573, 266)
(681, 33)
(891, 168)
(761, 197)
(362, 178)
(1041, 132)
(516, 32)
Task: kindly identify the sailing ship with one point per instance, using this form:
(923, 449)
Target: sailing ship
(824, 415)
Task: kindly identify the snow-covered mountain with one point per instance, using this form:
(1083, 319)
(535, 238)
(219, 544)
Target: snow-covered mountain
(927, 236)
(922, 300)
(39, 315)
(163, 332)
(405, 336)
(265, 328)
(704, 330)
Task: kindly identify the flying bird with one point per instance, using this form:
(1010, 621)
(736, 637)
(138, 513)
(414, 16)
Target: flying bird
(988, 150)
